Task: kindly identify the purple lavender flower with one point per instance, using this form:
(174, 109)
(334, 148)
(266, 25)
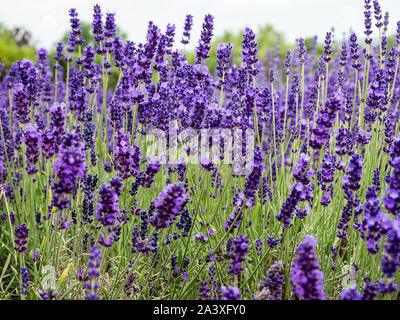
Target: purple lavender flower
(230, 293)
(342, 63)
(206, 163)
(201, 237)
(300, 191)
(370, 290)
(117, 48)
(287, 62)
(31, 139)
(252, 183)
(97, 24)
(306, 278)
(69, 166)
(373, 220)
(387, 287)
(344, 142)
(93, 273)
(377, 97)
(57, 119)
(302, 173)
(398, 33)
(116, 184)
(204, 293)
(59, 56)
(271, 286)
(354, 51)
(127, 158)
(21, 234)
(351, 181)
(107, 166)
(107, 208)
(237, 255)
(324, 122)
(168, 204)
(272, 242)
(259, 245)
(75, 38)
(350, 294)
(215, 290)
(236, 214)
(302, 50)
(224, 52)
(109, 26)
(48, 143)
(21, 103)
(144, 224)
(352, 202)
(151, 170)
(89, 69)
(174, 266)
(130, 287)
(325, 178)
(328, 48)
(138, 244)
(34, 255)
(391, 199)
(249, 54)
(24, 280)
(367, 21)
(49, 294)
(187, 27)
(390, 263)
(264, 191)
(202, 50)
(146, 54)
(377, 13)
(164, 47)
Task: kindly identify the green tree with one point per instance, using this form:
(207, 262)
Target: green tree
(11, 51)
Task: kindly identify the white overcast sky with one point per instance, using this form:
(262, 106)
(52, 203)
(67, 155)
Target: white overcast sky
(48, 19)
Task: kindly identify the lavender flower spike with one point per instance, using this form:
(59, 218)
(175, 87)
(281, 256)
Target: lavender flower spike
(230, 293)
(306, 278)
(93, 273)
(168, 205)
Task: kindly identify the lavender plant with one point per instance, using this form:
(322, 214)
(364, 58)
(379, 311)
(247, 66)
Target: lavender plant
(265, 179)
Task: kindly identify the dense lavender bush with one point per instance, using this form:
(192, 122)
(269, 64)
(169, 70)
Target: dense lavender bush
(182, 183)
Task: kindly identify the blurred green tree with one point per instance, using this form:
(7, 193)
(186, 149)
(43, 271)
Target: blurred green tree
(15, 45)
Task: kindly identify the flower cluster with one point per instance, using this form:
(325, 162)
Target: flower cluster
(93, 273)
(127, 157)
(168, 204)
(21, 235)
(107, 207)
(230, 293)
(391, 198)
(69, 166)
(202, 50)
(271, 286)
(238, 253)
(307, 279)
(271, 147)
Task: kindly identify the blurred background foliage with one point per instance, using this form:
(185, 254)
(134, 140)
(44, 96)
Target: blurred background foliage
(15, 45)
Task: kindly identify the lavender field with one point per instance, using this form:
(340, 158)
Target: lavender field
(129, 171)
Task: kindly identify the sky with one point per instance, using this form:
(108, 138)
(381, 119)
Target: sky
(47, 20)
